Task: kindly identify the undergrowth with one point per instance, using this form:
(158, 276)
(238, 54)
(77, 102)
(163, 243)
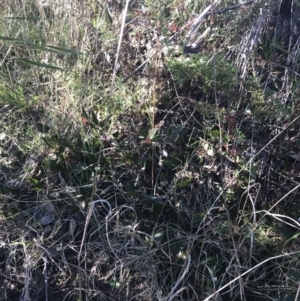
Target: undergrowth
(157, 172)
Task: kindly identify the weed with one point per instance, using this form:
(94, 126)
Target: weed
(128, 171)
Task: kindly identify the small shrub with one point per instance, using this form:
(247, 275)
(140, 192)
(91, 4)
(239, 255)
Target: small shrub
(213, 73)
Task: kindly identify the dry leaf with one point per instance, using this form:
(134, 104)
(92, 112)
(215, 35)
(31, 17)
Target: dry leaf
(46, 219)
(72, 227)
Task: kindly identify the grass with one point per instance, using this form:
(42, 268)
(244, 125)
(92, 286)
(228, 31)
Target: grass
(132, 171)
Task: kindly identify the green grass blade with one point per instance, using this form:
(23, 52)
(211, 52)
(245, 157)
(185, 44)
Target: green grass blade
(47, 66)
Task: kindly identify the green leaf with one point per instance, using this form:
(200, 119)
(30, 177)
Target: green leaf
(2, 136)
(130, 191)
(157, 139)
(95, 118)
(55, 166)
(173, 161)
(7, 190)
(158, 236)
(50, 141)
(47, 66)
(17, 41)
(42, 47)
(67, 50)
(198, 217)
(283, 232)
(29, 18)
(42, 128)
(36, 184)
(84, 114)
(107, 16)
(175, 247)
(184, 183)
(292, 238)
(154, 199)
(277, 45)
(176, 134)
(115, 283)
(19, 154)
(215, 133)
(152, 133)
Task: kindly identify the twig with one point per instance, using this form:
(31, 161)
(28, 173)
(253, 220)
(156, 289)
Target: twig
(49, 256)
(232, 7)
(198, 20)
(172, 293)
(9, 49)
(248, 271)
(91, 209)
(243, 168)
(119, 46)
(298, 290)
(46, 277)
(190, 46)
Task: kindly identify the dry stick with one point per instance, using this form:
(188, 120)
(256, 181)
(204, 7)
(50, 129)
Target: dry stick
(90, 211)
(93, 193)
(27, 270)
(195, 27)
(234, 178)
(253, 203)
(155, 52)
(197, 22)
(172, 293)
(154, 102)
(288, 63)
(204, 14)
(45, 277)
(238, 268)
(224, 10)
(250, 42)
(9, 49)
(282, 218)
(247, 272)
(298, 291)
(223, 190)
(49, 256)
(268, 211)
(119, 46)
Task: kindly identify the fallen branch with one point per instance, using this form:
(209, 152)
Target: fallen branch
(192, 44)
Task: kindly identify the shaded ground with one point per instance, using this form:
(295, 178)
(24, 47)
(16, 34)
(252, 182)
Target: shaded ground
(169, 182)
